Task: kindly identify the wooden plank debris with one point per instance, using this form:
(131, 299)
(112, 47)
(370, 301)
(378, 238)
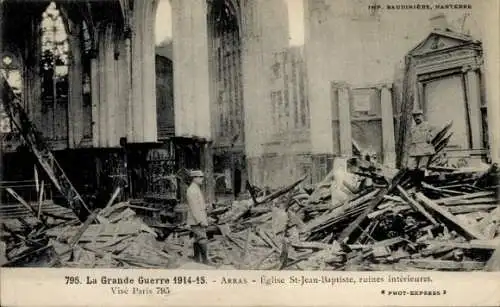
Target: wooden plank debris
(416, 205)
(455, 227)
(379, 198)
(437, 264)
(467, 230)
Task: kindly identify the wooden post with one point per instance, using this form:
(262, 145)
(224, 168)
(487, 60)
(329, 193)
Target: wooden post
(388, 142)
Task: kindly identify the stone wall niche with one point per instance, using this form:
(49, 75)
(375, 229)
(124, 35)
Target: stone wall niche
(448, 89)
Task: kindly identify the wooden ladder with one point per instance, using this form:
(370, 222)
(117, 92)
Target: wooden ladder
(40, 148)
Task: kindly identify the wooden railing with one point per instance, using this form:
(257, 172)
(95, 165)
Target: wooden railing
(26, 189)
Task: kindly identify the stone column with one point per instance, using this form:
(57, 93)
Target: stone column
(115, 100)
(128, 82)
(345, 121)
(473, 97)
(75, 99)
(136, 84)
(143, 72)
(319, 95)
(109, 85)
(191, 69)
(388, 137)
(200, 76)
(178, 46)
(101, 64)
(123, 79)
(149, 73)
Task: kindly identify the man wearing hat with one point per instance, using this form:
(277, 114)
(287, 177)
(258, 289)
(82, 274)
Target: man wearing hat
(421, 148)
(197, 216)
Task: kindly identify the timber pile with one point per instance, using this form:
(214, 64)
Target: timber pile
(119, 239)
(448, 222)
(387, 221)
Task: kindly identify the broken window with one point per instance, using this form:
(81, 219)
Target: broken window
(54, 61)
(54, 69)
(11, 71)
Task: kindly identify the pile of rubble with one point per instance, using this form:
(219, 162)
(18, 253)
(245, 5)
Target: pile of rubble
(355, 219)
(447, 222)
(112, 237)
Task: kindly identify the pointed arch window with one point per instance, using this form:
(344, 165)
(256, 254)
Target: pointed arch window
(11, 71)
(54, 58)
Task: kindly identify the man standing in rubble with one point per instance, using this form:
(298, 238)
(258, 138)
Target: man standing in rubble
(197, 216)
(421, 149)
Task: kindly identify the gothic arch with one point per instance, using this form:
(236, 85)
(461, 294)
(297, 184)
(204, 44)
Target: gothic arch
(234, 8)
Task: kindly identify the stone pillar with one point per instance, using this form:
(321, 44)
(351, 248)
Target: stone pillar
(319, 95)
(388, 137)
(149, 73)
(191, 69)
(123, 79)
(345, 121)
(128, 82)
(75, 99)
(143, 72)
(254, 90)
(136, 83)
(109, 101)
(104, 32)
(200, 89)
(473, 97)
(111, 95)
(179, 42)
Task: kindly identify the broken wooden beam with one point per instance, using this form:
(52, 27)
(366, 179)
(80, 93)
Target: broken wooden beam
(462, 227)
(473, 201)
(40, 201)
(344, 236)
(281, 191)
(25, 204)
(73, 241)
(441, 190)
(436, 264)
(465, 196)
(310, 245)
(416, 205)
(471, 208)
(326, 218)
(473, 244)
(106, 210)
